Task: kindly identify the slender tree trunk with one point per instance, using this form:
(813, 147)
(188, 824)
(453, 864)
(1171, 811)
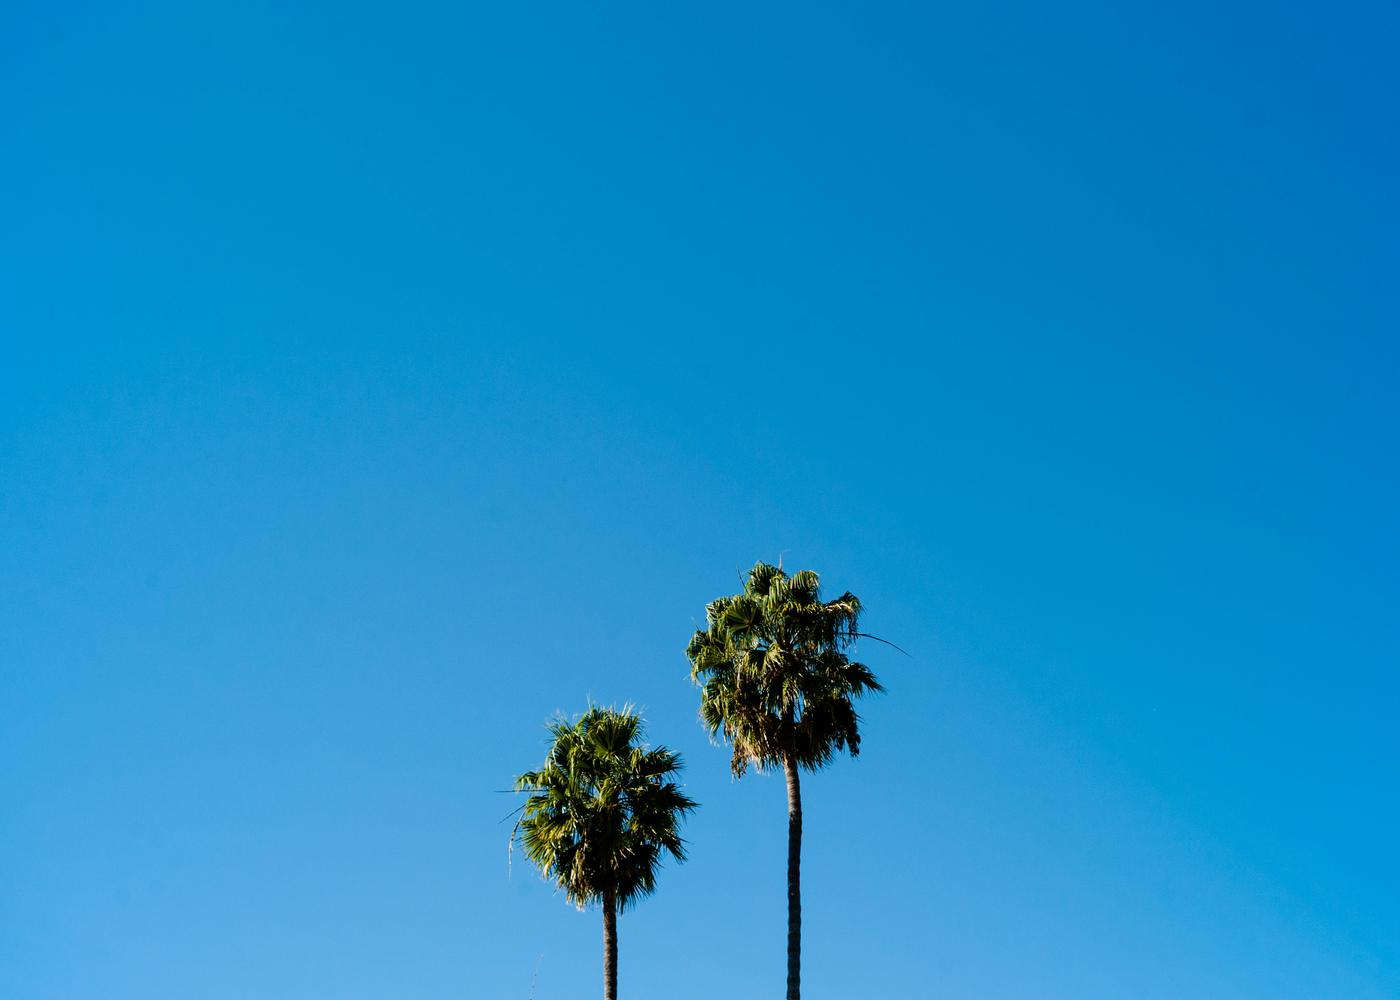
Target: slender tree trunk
(794, 873)
(609, 947)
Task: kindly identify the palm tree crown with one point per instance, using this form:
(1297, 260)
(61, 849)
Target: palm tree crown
(776, 681)
(603, 809)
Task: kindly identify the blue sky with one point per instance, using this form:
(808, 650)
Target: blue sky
(375, 382)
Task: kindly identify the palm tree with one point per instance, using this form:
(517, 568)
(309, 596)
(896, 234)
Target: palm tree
(600, 813)
(777, 685)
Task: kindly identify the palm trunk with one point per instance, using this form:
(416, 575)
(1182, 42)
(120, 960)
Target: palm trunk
(609, 948)
(794, 874)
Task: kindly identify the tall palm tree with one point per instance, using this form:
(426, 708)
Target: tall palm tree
(777, 685)
(600, 813)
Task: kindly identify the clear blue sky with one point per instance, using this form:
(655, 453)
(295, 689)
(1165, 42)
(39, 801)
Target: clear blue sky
(375, 381)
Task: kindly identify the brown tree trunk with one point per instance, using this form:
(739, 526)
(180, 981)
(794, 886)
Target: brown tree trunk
(609, 948)
(794, 874)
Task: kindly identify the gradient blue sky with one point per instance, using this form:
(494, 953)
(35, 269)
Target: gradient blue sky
(375, 381)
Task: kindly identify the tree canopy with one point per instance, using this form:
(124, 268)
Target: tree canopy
(775, 676)
(603, 808)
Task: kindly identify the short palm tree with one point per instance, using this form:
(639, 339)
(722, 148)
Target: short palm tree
(600, 814)
(777, 685)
